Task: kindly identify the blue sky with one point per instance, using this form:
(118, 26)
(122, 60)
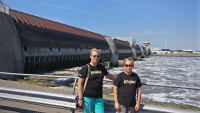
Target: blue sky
(175, 22)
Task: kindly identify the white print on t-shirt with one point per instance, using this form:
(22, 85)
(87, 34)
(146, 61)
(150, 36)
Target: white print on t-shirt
(129, 82)
(95, 72)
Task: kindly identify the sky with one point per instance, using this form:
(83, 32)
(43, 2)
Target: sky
(171, 24)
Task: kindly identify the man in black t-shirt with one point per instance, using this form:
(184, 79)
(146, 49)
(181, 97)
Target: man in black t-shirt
(126, 85)
(92, 97)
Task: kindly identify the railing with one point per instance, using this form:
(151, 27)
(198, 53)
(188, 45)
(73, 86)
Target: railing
(172, 86)
(147, 84)
(68, 101)
(61, 100)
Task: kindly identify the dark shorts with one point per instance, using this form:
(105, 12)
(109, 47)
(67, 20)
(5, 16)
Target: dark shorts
(126, 109)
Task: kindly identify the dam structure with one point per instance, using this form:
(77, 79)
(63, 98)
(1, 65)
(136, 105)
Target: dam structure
(31, 44)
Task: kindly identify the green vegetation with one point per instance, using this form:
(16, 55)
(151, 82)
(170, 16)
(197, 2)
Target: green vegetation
(178, 55)
(106, 64)
(40, 82)
(171, 105)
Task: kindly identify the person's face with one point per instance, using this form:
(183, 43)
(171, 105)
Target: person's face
(128, 66)
(95, 57)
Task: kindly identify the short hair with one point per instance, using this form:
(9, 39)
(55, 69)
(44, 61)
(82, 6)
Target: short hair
(96, 50)
(129, 59)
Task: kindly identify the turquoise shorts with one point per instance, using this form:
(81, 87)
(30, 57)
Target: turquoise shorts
(93, 105)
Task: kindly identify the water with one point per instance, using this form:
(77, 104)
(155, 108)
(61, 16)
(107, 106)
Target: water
(177, 71)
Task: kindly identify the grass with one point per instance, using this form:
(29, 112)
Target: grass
(170, 105)
(40, 82)
(178, 55)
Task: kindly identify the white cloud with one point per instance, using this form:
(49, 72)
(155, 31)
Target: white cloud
(76, 10)
(145, 6)
(144, 31)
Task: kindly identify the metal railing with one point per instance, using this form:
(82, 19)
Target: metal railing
(68, 101)
(61, 100)
(55, 76)
(172, 86)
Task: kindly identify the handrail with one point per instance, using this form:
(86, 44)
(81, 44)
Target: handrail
(36, 75)
(61, 100)
(68, 101)
(147, 84)
(172, 86)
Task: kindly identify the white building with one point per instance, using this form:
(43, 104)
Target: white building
(131, 40)
(146, 44)
(4, 8)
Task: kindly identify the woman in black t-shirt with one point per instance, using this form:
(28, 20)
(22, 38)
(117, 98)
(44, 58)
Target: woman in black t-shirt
(92, 97)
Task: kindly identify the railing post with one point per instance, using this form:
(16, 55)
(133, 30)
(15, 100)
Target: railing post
(74, 86)
(74, 91)
(72, 111)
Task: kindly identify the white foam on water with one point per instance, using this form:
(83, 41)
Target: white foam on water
(161, 97)
(178, 71)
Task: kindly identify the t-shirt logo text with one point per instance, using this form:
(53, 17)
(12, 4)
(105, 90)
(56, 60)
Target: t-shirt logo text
(129, 82)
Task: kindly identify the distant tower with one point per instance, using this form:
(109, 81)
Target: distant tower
(146, 44)
(165, 44)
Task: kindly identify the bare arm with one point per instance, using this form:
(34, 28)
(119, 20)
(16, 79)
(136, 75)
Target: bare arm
(109, 76)
(80, 90)
(139, 93)
(115, 93)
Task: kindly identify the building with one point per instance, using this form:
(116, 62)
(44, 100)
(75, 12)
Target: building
(131, 40)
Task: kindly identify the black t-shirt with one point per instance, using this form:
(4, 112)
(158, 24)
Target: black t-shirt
(127, 85)
(95, 81)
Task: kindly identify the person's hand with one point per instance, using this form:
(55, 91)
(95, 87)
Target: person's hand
(137, 107)
(117, 106)
(80, 102)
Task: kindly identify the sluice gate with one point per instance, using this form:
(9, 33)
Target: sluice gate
(31, 44)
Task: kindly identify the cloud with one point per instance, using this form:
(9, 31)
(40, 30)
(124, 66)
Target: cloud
(129, 3)
(76, 10)
(121, 1)
(146, 31)
(144, 6)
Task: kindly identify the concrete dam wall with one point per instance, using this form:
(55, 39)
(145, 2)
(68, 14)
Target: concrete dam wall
(30, 44)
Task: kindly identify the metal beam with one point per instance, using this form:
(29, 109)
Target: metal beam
(172, 86)
(147, 84)
(55, 99)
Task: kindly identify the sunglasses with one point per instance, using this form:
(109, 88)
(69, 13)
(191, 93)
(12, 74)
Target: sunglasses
(96, 56)
(126, 65)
